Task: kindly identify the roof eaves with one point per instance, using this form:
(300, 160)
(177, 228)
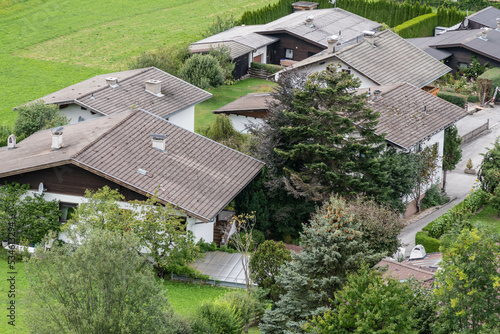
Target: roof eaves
(34, 168)
(286, 31)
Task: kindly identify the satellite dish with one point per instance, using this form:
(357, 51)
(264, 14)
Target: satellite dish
(41, 189)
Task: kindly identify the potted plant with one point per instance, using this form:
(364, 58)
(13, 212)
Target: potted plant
(469, 167)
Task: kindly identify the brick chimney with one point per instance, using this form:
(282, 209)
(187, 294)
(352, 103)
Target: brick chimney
(112, 82)
(154, 87)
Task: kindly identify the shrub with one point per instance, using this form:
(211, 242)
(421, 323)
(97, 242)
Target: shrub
(220, 318)
(248, 306)
(433, 197)
(456, 99)
(430, 244)
(420, 26)
(223, 55)
(472, 99)
(268, 67)
(488, 81)
(5, 132)
(489, 174)
(202, 71)
(168, 59)
(37, 116)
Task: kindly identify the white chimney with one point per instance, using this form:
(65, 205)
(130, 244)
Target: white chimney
(154, 87)
(369, 37)
(159, 142)
(484, 34)
(332, 43)
(57, 139)
(309, 21)
(498, 23)
(112, 82)
(11, 142)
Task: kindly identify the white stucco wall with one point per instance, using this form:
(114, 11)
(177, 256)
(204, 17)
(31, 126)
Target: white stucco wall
(199, 229)
(74, 111)
(260, 51)
(365, 81)
(240, 122)
(184, 118)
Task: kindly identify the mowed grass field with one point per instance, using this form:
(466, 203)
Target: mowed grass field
(46, 45)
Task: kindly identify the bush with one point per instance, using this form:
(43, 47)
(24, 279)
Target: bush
(5, 132)
(431, 245)
(168, 59)
(37, 116)
(472, 99)
(268, 67)
(217, 318)
(433, 197)
(248, 306)
(488, 81)
(456, 99)
(489, 174)
(202, 71)
(420, 26)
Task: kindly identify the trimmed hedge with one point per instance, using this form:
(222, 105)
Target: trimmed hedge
(472, 99)
(431, 245)
(268, 67)
(420, 26)
(456, 99)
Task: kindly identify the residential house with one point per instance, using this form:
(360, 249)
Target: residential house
(382, 58)
(247, 110)
(488, 17)
(138, 153)
(293, 37)
(149, 89)
(457, 48)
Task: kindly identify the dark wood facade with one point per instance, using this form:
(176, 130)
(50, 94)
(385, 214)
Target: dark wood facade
(301, 48)
(463, 55)
(241, 66)
(69, 180)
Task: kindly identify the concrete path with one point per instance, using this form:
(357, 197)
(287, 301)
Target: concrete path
(459, 184)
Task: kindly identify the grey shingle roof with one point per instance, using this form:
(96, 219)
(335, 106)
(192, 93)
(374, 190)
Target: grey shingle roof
(393, 60)
(402, 116)
(468, 39)
(196, 174)
(131, 94)
(486, 17)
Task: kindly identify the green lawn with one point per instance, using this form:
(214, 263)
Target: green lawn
(47, 45)
(224, 94)
(487, 218)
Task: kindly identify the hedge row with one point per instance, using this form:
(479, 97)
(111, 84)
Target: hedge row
(420, 26)
(447, 17)
(456, 99)
(431, 245)
(268, 67)
(382, 11)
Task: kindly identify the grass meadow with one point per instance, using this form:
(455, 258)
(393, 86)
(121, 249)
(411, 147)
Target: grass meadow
(46, 45)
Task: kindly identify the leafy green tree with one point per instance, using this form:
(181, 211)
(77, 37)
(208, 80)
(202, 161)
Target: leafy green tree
(468, 284)
(329, 144)
(159, 228)
(217, 318)
(102, 286)
(37, 116)
(265, 265)
(332, 246)
(223, 55)
(452, 151)
(222, 131)
(32, 217)
(368, 303)
(489, 174)
(379, 224)
(426, 162)
(169, 59)
(221, 23)
(202, 71)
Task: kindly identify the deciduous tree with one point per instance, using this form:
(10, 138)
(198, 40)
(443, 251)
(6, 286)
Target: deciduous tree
(452, 151)
(37, 116)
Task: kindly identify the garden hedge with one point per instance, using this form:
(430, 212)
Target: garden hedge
(431, 245)
(456, 99)
(268, 67)
(420, 26)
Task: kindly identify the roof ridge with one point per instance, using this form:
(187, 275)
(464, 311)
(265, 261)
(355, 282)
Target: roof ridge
(409, 266)
(105, 132)
(105, 87)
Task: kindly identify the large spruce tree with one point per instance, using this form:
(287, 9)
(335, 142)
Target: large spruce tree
(320, 138)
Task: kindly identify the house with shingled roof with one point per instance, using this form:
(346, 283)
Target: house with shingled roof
(150, 89)
(382, 58)
(140, 154)
(293, 37)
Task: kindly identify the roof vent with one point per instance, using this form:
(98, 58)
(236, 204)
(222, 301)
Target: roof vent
(112, 82)
(425, 110)
(309, 21)
(154, 87)
(498, 23)
(57, 139)
(11, 142)
(332, 43)
(418, 252)
(158, 142)
(369, 37)
(484, 34)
